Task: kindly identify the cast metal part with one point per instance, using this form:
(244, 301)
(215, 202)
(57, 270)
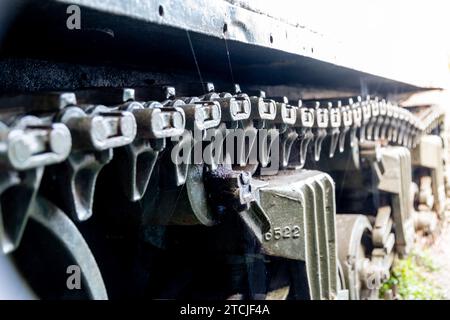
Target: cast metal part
(31, 143)
(429, 154)
(262, 109)
(99, 128)
(202, 115)
(290, 212)
(351, 229)
(366, 252)
(186, 205)
(304, 124)
(95, 132)
(286, 116)
(137, 159)
(334, 127)
(234, 108)
(319, 128)
(62, 228)
(393, 170)
(236, 192)
(299, 205)
(54, 147)
(17, 191)
(28, 147)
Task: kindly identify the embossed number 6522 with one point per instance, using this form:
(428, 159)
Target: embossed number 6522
(278, 233)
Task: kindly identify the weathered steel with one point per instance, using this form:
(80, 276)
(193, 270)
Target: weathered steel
(429, 154)
(301, 209)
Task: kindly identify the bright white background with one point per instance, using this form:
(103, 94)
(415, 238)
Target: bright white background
(413, 32)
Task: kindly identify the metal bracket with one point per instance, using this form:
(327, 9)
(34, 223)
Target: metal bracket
(346, 123)
(334, 125)
(301, 208)
(28, 146)
(31, 143)
(18, 191)
(321, 120)
(95, 132)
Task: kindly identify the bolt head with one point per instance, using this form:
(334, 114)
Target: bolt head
(169, 92)
(246, 106)
(245, 177)
(215, 112)
(177, 120)
(19, 150)
(128, 125)
(209, 87)
(157, 122)
(272, 107)
(67, 99)
(60, 140)
(100, 129)
(128, 94)
(233, 108)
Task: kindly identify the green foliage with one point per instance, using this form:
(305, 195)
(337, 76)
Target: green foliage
(411, 279)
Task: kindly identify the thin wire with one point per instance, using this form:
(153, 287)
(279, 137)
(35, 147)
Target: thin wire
(195, 60)
(229, 59)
